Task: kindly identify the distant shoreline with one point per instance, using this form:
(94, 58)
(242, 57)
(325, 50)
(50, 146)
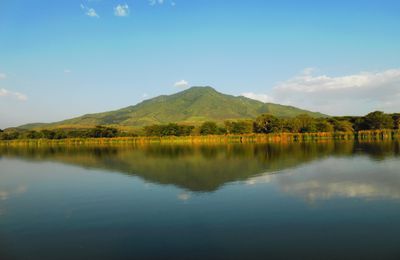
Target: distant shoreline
(216, 139)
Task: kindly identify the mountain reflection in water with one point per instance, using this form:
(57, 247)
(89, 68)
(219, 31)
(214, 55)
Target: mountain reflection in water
(204, 168)
(317, 200)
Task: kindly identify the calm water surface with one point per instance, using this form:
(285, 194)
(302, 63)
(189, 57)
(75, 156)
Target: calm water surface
(277, 201)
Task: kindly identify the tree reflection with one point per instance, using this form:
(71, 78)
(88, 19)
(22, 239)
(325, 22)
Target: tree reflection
(201, 167)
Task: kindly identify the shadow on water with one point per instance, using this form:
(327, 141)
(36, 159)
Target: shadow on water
(201, 168)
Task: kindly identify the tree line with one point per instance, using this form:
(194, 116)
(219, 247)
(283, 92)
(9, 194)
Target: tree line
(96, 132)
(268, 123)
(265, 123)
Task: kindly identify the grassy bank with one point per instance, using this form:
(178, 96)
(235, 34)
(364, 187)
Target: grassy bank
(248, 138)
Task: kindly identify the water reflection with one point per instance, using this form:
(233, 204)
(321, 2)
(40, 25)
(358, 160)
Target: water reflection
(6, 193)
(235, 201)
(197, 168)
(206, 168)
(9, 192)
(202, 168)
(356, 177)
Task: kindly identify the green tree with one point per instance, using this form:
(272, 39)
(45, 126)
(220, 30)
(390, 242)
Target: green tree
(291, 125)
(267, 123)
(239, 127)
(169, 129)
(324, 125)
(307, 123)
(378, 120)
(185, 130)
(396, 121)
(101, 131)
(60, 134)
(360, 124)
(9, 135)
(222, 130)
(343, 126)
(48, 134)
(32, 135)
(152, 130)
(209, 128)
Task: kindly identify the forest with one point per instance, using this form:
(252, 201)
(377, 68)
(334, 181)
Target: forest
(264, 124)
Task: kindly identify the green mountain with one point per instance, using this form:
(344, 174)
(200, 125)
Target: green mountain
(194, 105)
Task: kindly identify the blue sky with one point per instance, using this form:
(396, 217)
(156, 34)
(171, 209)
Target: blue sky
(60, 59)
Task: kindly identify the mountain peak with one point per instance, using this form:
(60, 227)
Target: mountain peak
(191, 106)
(200, 89)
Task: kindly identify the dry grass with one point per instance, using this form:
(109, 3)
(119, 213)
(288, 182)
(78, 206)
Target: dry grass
(218, 139)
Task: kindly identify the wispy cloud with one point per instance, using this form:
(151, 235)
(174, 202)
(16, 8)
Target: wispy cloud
(260, 97)
(3, 75)
(181, 84)
(121, 10)
(89, 11)
(6, 93)
(154, 2)
(92, 13)
(67, 71)
(350, 94)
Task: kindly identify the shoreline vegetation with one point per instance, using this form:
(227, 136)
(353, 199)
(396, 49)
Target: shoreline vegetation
(264, 129)
(373, 135)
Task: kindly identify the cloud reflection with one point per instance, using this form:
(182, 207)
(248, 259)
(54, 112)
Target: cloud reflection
(184, 196)
(6, 194)
(331, 178)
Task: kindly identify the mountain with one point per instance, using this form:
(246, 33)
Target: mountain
(194, 105)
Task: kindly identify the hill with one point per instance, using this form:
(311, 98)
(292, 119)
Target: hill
(194, 105)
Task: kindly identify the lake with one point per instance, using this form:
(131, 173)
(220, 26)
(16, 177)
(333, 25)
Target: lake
(321, 200)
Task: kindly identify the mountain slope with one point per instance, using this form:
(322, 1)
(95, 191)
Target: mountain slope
(194, 105)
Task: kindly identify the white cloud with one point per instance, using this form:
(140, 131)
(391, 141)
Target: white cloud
(3, 75)
(260, 97)
(66, 71)
(6, 93)
(154, 2)
(121, 10)
(355, 94)
(20, 96)
(181, 84)
(359, 93)
(3, 92)
(92, 13)
(89, 11)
